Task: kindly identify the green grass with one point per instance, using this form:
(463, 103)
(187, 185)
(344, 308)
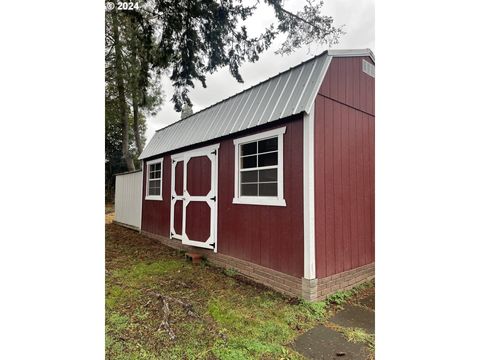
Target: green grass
(259, 326)
(233, 320)
(230, 272)
(340, 297)
(144, 271)
(358, 335)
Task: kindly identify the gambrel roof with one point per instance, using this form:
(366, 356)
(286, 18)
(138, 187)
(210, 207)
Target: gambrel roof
(288, 93)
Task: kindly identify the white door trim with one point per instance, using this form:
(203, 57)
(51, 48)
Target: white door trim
(211, 198)
(174, 198)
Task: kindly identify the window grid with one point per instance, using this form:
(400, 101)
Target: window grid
(255, 186)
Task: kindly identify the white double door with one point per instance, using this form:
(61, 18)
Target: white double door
(193, 209)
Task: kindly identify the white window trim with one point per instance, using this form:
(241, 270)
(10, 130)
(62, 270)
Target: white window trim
(260, 200)
(154, 197)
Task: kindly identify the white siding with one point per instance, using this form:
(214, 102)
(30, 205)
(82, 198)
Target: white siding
(128, 198)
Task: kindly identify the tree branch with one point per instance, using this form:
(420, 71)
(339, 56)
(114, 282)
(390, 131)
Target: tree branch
(298, 18)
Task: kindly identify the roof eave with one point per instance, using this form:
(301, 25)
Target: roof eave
(351, 53)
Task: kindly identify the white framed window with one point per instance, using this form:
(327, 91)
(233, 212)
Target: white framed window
(154, 180)
(259, 169)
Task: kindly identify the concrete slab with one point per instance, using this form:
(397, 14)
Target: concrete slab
(369, 301)
(322, 343)
(355, 316)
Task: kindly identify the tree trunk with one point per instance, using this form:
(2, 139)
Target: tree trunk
(122, 101)
(136, 130)
(135, 90)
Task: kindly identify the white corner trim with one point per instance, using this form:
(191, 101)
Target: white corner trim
(154, 197)
(141, 200)
(260, 200)
(309, 268)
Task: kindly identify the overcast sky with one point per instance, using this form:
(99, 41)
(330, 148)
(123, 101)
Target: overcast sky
(357, 16)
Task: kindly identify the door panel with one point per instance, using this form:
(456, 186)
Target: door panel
(199, 176)
(179, 178)
(197, 227)
(177, 217)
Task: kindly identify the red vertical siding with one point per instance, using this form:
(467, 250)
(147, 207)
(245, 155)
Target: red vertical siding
(346, 83)
(179, 178)
(199, 179)
(337, 188)
(270, 236)
(156, 213)
(353, 190)
(197, 226)
(344, 168)
(178, 217)
(329, 190)
(320, 165)
(346, 217)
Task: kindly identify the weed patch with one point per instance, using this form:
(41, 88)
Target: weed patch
(230, 272)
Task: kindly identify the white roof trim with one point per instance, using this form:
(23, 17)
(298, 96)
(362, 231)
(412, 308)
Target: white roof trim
(353, 52)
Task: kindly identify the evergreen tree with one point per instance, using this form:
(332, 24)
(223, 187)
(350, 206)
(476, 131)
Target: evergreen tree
(188, 39)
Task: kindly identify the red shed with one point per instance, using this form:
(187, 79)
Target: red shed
(276, 181)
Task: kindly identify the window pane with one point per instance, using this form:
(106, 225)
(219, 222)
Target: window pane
(268, 145)
(249, 176)
(249, 189)
(249, 149)
(268, 175)
(268, 159)
(155, 183)
(154, 187)
(269, 189)
(249, 162)
(155, 171)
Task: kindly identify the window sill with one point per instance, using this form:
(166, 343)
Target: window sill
(259, 201)
(153, 197)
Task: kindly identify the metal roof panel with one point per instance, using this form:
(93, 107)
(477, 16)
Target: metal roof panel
(283, 95)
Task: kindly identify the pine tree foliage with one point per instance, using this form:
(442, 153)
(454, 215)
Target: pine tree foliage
(188, 39)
